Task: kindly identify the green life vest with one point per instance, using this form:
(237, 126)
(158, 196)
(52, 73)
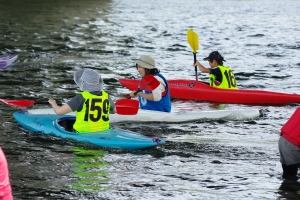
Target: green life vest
(228, 79)
(94, 115)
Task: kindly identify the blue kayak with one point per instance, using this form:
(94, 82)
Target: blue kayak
(60, 125)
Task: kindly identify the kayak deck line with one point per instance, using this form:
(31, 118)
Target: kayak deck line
(174, 116)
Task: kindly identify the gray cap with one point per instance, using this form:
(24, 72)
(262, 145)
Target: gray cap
(145, 62)
(88, 80)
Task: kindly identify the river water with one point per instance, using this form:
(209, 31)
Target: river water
(201, 160)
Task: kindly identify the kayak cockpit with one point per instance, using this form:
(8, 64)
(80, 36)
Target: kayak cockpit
(65, 123)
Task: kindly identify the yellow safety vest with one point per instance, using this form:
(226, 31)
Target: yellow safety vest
(228, 79)
(94, 115)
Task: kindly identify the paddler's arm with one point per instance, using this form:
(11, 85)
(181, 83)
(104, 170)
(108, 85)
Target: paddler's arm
(156, 94)
(146, 96)
(60, 110)
(201, 67)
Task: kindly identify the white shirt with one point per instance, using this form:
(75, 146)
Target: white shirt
(157, 92)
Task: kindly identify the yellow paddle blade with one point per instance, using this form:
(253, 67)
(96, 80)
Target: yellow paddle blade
(192, 38)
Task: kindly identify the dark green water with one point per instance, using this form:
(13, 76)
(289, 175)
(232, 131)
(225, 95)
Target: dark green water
(201, 160)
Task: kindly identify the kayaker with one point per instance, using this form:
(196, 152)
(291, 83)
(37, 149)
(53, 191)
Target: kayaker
(92, 105)
(289, 146)
(219, 76)
(159, 99)
(5, 187)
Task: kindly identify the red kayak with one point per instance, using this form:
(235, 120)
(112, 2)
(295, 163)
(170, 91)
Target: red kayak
(201, 91)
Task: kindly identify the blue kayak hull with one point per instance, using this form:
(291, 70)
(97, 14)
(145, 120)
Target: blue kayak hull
(112, 138)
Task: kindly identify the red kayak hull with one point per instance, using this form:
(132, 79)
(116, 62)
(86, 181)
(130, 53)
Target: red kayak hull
(201, 91)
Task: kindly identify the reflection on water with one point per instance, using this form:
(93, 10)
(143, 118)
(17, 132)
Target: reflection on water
(202, 159)
(89, 169)
(290, 189)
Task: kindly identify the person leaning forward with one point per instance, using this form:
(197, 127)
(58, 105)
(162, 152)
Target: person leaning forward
(92, 105)
(220, 76)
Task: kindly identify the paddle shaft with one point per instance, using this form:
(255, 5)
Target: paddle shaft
(47, 103)
(124, 106)
(196, 73)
